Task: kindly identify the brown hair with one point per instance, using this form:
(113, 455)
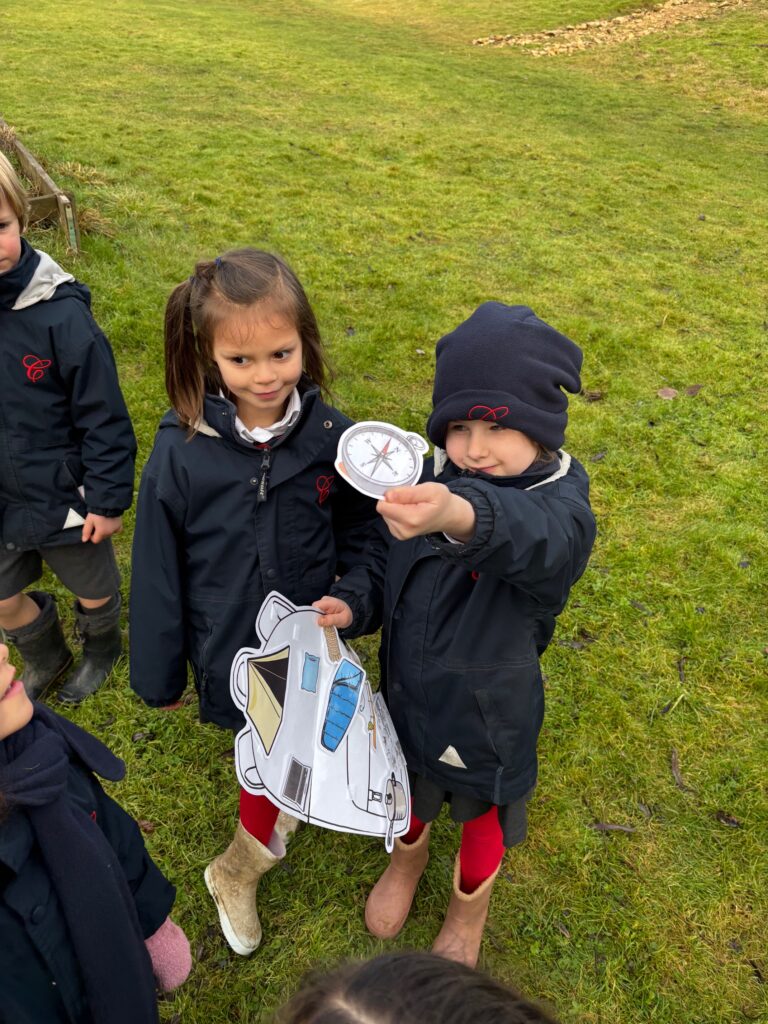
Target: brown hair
(543, 454)
(217, 289)
(407, 988)
(13, 191)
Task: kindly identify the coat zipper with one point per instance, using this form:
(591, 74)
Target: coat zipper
(266, 460)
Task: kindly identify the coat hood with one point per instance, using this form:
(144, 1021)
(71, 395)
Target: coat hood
(46, 279)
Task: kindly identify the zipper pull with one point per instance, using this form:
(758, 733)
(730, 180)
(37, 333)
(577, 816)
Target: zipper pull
(266, 460)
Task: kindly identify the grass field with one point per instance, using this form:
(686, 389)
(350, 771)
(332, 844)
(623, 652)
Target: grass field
(408, 175)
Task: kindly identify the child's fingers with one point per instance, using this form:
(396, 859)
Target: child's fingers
(410, 495)
(335, 612)
(399, 532)
(331, 619)
(406, 515)
(338, 619)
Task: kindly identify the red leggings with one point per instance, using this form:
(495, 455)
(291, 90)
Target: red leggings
(258, 816)
(482, 843)
(482, 847)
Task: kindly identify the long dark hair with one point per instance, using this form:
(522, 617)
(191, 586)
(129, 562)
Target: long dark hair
(217, 289)
(407, 988)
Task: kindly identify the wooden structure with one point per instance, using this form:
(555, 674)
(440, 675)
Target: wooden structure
(48, 201)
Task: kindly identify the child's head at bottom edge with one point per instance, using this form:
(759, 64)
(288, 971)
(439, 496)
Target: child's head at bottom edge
(499, 400)
(407, 988)
(14, 210)
(15, 706)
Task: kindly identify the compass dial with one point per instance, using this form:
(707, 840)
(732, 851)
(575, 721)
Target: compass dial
(375, 456)
(381, 457)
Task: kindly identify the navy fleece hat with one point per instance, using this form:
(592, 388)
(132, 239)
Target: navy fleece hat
(506, 365)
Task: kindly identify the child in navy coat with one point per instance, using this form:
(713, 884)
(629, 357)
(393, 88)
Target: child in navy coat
(83, 908)
(240, 497)
(490, 546)
(66, 462)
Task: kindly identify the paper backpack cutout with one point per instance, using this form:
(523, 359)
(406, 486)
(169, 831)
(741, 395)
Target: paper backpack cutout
(374, 456)
(316, 741)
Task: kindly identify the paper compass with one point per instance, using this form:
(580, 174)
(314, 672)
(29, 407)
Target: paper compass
(375, 456)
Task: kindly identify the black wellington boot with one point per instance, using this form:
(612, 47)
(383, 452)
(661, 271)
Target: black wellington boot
(102, 646)
(42, 646)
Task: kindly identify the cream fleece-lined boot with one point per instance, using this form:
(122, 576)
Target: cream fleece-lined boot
(286, 825)
(233, 878)
(388, 905)
(462, 930)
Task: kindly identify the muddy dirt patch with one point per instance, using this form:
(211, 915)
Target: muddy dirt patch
(624, 28)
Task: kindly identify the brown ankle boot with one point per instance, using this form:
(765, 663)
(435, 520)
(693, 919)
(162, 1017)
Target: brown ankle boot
(233, 878)
(387, 907)
(462, 930)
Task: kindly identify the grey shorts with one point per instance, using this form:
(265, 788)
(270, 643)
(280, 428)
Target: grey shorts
(86, 570)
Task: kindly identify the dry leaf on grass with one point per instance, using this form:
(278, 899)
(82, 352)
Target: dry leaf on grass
(604, 826)
(728, 819)
(674, 761)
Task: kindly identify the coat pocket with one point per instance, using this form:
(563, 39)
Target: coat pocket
(201, 635)
(512, 712)
(69, 479)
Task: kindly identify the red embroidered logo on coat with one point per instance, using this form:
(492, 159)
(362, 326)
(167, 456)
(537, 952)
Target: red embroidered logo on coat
(485, 412)
(35, 367)
(323, 485)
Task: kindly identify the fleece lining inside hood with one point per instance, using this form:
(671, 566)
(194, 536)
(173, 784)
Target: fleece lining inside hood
(46, 279)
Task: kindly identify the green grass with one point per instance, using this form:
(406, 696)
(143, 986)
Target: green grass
(408, 176)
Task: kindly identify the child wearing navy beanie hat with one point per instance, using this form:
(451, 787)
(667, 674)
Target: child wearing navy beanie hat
(505, 364)
(487, 549)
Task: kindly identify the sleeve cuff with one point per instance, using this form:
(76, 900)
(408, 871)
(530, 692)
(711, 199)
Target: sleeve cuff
(485, 518)
(108, 513)
(355, 605)
(154, 898)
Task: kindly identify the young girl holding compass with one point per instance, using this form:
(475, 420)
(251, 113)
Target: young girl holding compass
(240, 497)
(491, 545)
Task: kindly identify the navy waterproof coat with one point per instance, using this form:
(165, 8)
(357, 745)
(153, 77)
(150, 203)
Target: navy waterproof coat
(66, 442)
(219, 524)
(465, 624)
(40, 980)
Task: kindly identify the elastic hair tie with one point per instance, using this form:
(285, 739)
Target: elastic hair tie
(217, 261)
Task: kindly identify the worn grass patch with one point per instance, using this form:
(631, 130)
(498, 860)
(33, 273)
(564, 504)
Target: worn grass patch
(408, 176)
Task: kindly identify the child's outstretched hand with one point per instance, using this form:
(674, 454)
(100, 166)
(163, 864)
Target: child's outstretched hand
(427, 508)
(335, 612)
(98, 528)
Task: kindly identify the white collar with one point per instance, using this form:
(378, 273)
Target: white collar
(260, 435)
